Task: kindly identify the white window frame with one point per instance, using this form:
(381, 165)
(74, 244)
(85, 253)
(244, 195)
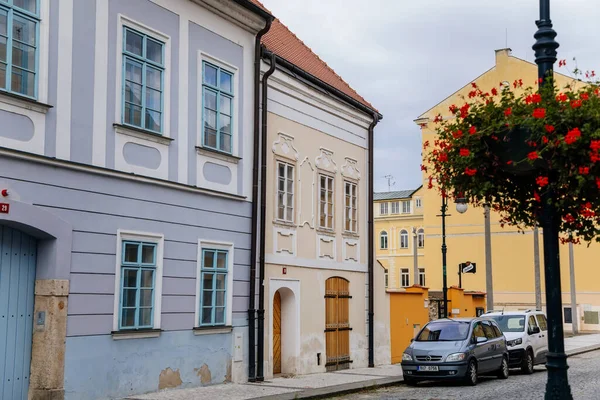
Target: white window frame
(383, 208)
(148, 237)
(285, 193)
(215, 245)
(403, 235)
(404, 276)
(350, 210)
(406, 208)
(386, 279)
(395, 207)
(383, 234)
(123, 22)
(422, 276)
(205, 57)
(418, 202)
(421, 238)
(327, 177)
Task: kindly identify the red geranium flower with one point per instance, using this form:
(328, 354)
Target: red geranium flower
(537, 197)
(457, 134)
(494, 92)
(594, 157)
(443, 157)
(472, 130)
(539, 113)
(562, 97)
(598, 183)
(453, 108)
(470, 171)
(549, 128)
(536, 98)
(595, 145)
(541, 181)
(584, 170)
(584, 96)
(465, 152)
(508, 111)
(572, 136)
(423, 168)
(533, 155)
(576, 104)
(545, 139)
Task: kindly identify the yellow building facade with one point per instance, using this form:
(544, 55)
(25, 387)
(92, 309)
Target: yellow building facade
(512, 251)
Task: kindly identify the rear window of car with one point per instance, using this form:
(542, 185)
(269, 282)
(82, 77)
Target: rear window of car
(444, 332)
(509, 323)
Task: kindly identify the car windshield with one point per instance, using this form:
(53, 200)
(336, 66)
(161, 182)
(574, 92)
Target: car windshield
(444, 332)
(509, 323)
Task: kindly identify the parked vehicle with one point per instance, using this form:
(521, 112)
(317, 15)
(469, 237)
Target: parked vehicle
(448, 349)
(526, 338)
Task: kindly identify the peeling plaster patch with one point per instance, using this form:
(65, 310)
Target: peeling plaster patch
(169, 379)
(228, 373)
(204, 373)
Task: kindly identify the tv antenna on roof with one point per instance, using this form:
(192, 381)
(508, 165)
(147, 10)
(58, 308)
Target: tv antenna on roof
(391, 182)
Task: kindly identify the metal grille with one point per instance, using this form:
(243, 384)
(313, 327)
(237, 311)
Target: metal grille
(590, 317)
(429, 358)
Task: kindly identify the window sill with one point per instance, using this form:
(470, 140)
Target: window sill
(219, 155)
(285, 224)
(142, 134)
(326, 232)
(136, 334)
(26, 103)
(212, 330)
(350, 235)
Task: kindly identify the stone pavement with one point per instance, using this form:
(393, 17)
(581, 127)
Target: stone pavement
(318, 385)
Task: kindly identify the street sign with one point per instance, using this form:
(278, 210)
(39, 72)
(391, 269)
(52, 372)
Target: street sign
(468, 268)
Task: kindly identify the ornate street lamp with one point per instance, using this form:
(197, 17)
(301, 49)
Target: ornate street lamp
(461, 207)
(557, 386)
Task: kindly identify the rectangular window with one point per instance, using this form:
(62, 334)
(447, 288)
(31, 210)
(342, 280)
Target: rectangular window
(406, 207)
(217, 107)
(405, 277)
(386, 279)
(213, 290)
(395, 207)
(383, 208)
(326, 201)
(285, 192)
(19, 36)
(418, 202)
(138, 277)
(351, 207)
(422, 276)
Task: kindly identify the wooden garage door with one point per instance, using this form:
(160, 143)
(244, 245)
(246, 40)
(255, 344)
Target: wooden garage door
(277, 333)
(337, 324)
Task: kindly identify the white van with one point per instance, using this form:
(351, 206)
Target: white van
(526, 337)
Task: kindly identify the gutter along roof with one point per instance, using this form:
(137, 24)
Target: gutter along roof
(287, 46)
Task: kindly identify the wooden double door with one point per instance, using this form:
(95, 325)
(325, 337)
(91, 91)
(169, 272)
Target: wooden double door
(337, 324)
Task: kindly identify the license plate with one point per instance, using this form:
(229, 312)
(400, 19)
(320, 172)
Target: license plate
(428, 368)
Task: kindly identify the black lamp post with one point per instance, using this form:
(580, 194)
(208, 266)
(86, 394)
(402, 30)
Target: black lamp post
(461, 207)
(557, 386)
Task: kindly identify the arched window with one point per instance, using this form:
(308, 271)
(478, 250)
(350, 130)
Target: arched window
(383, 240)
(404, 239)
(421, 238)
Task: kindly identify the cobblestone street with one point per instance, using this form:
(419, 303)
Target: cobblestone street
(583, 378)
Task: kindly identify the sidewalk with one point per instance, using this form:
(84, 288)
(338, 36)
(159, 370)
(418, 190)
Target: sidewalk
(317, 385)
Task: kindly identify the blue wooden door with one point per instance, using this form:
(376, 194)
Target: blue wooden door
(17, 279)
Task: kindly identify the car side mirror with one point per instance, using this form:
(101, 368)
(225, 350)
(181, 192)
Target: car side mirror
(481, 339)
(534, 329)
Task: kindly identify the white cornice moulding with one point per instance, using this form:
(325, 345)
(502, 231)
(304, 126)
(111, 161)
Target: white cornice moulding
(235, 13)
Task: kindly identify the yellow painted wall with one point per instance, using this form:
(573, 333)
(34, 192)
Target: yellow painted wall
(466, 303)
(512, 251)
(409, 312)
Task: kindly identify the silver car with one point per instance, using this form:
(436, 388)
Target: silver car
(450, 349)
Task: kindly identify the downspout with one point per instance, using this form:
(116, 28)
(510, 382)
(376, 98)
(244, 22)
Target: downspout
(370, 246)
(263, 215)
(253, 234)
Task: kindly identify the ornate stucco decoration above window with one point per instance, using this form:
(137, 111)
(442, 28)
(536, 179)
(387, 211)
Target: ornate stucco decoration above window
(284, 147)
(325, 161)
(349, 169)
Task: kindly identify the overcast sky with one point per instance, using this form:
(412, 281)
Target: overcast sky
(404, 56)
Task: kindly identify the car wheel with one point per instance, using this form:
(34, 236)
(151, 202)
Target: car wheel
(503, 371)
(471, 377)
(410, 381)
(527, 366)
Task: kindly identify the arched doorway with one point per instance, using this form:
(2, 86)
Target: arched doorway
(337, 323)
(17, 279)
(285, 324)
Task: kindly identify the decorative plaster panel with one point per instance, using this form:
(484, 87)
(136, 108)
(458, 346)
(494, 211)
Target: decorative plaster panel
(326, 247)
(226, 182)
(325, 161)
(284, 147)
(23, 128)
(123, 161)
(350, 170)
(284, 241)
(351, 250)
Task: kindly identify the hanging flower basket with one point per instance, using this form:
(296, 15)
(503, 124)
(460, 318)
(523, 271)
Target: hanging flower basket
(506, 146)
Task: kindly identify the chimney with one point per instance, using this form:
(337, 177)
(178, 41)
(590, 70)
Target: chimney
(502, 56)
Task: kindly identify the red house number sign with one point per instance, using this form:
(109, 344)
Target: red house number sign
(4, 207)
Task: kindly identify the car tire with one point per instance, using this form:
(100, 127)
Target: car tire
(471, 376)
(527, 364)
(410, 381)
(503, 371)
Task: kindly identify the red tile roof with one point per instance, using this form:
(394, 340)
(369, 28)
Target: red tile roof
(281, 41)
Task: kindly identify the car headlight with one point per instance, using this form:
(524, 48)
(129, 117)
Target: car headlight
(514, 342)
(406, 357)
(455, 357)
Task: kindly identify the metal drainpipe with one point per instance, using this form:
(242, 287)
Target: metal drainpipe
(260, 376)
(370, 246)
(253, 235)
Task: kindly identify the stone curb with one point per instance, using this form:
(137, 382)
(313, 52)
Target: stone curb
(582, 350)
(336, 390)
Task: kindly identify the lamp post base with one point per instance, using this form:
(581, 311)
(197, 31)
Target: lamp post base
(557, 387)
